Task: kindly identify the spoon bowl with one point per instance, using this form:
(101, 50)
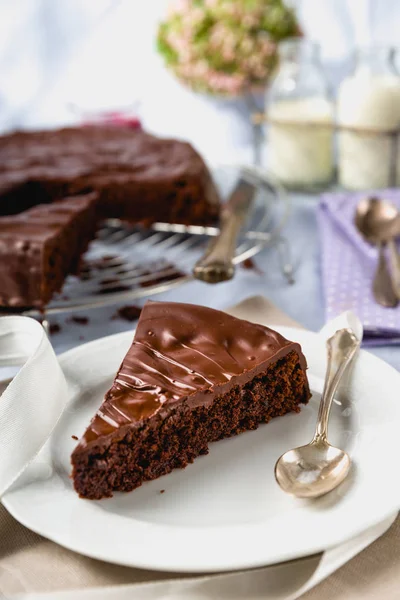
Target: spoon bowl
(377, 219)
(312, 470)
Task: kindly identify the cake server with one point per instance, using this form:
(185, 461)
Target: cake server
(217, 263)
(315, 469)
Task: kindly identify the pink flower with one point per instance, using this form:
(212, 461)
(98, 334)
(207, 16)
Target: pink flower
(250, 20)
(181, 44)
(247, 45)
(218, 34)
(197, 14)
(228, 53)
(231, 35)
(234, 9)
(261, 72)
(179, 6)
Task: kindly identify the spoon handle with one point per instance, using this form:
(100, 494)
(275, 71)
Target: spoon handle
(383, 286)
(217, 263)
(395, 264)
(341, 347)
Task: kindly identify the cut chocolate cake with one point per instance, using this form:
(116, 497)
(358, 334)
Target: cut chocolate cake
(193, 375)
(138, 177)
(41, 246)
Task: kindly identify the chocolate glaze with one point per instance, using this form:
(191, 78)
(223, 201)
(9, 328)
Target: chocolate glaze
(184, 352)
(129, 169)
(24, 240)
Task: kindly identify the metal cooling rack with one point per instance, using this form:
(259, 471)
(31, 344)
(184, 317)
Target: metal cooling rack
(127, 262)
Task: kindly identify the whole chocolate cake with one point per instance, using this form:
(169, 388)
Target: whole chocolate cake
(138, 177)
(193, 375)
(41, 246)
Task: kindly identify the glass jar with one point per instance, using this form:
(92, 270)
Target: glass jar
(368, 115)
(300, 117)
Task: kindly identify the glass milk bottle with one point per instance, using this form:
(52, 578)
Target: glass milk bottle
(368, 113)
(300, 118)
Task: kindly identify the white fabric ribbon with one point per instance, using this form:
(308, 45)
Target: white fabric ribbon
(33, 401)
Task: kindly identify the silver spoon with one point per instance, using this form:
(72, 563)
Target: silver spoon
(379, 222)
(317, 468)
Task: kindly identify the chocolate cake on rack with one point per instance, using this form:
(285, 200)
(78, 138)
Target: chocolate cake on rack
(136, 177)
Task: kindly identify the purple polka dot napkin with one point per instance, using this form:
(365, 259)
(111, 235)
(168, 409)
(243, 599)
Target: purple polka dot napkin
(348, 267)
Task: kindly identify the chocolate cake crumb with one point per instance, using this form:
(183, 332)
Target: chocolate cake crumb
(112, 281)
(109, 257)
(114, 290)
(162, 491)
(54, 328)
(128, 313)
(74, 437)
(100, 264)
(85, 276)
(78, 320)
(81, 337)
(171, 276)
(250, 265)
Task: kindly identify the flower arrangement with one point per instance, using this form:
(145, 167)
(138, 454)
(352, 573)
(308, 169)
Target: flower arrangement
(224, 47)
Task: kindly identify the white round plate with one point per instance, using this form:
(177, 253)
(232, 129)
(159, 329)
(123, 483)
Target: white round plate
(225, 511)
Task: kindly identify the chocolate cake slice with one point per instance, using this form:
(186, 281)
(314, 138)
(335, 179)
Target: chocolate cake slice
(192, 376)
(41, 246)
(138, 177)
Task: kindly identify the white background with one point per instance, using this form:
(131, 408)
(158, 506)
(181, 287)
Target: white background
(101, 53)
